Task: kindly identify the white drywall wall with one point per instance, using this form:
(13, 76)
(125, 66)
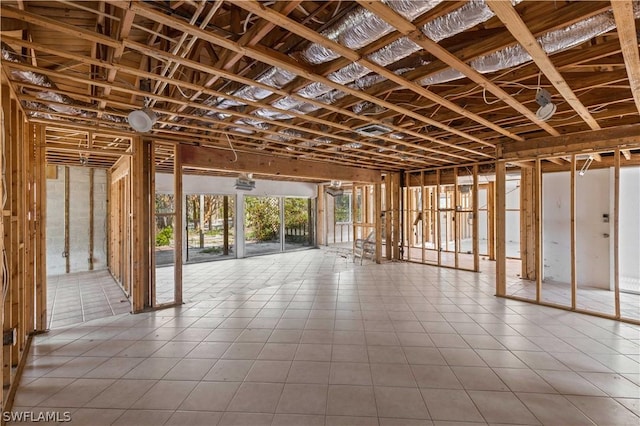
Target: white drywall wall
(629, 239)
(78, 221)
(593, 192)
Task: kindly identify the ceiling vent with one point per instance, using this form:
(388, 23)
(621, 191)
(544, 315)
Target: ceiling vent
(373, 130)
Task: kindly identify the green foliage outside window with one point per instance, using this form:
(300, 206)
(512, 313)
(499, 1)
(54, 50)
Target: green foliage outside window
(262, 217)
(343, 208)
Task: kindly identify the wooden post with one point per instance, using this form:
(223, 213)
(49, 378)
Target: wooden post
(456, 217)
(423, 214)
(396, 216)
(179, 228)
(475, 223)
(66, 220)
(491, 217)
(4, 96)
(41, 217)
(438, 218)
(388, 216)
(377, 193)
(527, 224)
(225, 225)
(407, 193)
(354, 217)
(91, 207)
(616, 231)
(140, 224)
(15, 262)
(7, 216)
(574, 278)
(152, 225)
(500, 213)
(538, 226)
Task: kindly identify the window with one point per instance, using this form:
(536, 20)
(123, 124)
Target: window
(342, 208)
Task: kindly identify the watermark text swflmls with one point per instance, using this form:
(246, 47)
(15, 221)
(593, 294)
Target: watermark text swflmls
(33, 416)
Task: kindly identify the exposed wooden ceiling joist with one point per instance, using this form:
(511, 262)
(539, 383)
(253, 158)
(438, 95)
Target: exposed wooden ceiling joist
(80, 63)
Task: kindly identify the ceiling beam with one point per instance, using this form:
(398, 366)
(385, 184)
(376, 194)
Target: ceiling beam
(516, 26)
(191, 86)
(268, 56)
(303, 31)
(116, 54)
(627, 34)
(57, 25)
(583, 142)
(218, 159)
(416, 35)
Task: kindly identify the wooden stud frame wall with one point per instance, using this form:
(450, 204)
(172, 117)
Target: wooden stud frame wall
(22, 240)
(430, 184)
(565, 162)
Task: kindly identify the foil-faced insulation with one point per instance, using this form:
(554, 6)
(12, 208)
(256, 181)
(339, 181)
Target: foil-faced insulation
(551, 42)
(468, 16)
(361, 27)
(10, 55)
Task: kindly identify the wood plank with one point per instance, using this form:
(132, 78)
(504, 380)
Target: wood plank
(627, 34)
(516, 26)
(572, 216)
(149, 50)
(476, 222)
(179, 226)
(377, 209)
(91, 219)
(616, 233)
(418, 37)
(268, 56)
(218, 159)
(439, 218)
(41, 218)
(538, 228)
(293, 26)
(590, 141)
(58, 25)
(67, 189)
(501, 236)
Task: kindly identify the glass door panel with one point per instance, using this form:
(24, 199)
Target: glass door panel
(297, 223)
(262, 225)
(210, 225)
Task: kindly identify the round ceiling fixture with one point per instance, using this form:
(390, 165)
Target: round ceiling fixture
(142, 120)
(545, 112)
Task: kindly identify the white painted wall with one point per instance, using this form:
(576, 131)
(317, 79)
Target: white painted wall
(556, 227)
(593, 192)
(78, 221)
(629, 239)
(192, 184)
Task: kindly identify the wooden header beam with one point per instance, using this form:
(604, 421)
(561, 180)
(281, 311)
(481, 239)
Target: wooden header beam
(218, 159)
(595, 140)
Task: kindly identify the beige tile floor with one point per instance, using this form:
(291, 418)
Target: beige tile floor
(390, 344)
(83, 296)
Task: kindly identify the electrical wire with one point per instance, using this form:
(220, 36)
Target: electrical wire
(232, 149)
(5, 262)
(484, 96)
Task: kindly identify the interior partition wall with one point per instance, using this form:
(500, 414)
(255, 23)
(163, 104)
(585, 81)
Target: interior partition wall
(440, 217)
(584, 233)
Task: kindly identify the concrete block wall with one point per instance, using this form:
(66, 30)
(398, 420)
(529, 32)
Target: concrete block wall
(55, 224)
(79, 209)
